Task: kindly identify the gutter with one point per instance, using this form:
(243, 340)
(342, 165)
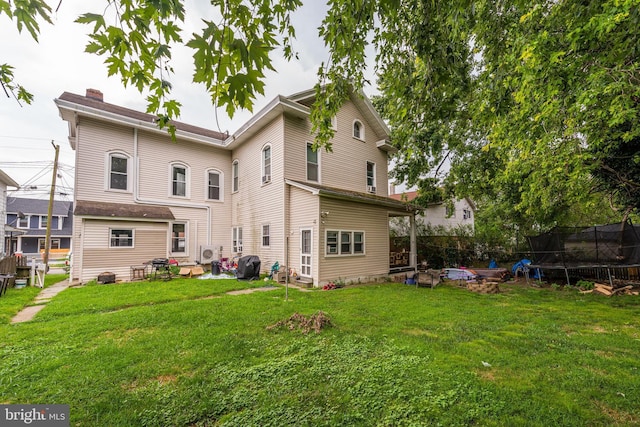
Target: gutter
(135, 123)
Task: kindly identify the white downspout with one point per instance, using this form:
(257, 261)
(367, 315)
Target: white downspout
(138, 199)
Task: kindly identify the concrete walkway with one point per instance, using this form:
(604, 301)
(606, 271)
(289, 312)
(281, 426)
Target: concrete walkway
(41, 299)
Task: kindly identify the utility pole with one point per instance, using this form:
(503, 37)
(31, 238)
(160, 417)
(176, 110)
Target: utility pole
(47, 240)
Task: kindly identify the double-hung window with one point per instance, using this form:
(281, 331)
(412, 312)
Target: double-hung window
(179, 180)
(235, 172)
(266, 238)
(312, 163)
(371, 177)
(178, 237)
(236, 239)
(266, 164)
(23, 222)
(213, 185)
(118, 172)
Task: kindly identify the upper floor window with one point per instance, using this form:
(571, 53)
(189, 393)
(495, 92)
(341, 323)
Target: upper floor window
(312, 163)
(178, 237)
(118, 172)
(235, 170)
(121, 237)
(371, 177)
(179, 180)
(466, 214)
(23, 222)
(450, 211)
(214, 185)
(44, 220)
(358, 130)
(266, 164)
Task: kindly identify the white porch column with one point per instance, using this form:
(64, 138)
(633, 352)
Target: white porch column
(413, 244)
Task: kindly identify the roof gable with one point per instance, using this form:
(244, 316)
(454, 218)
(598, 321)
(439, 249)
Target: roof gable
(37, 206)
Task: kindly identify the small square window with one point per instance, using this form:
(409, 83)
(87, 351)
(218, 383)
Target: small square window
(121, 238)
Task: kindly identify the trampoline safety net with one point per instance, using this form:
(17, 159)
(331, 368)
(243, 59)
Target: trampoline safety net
(611, 244)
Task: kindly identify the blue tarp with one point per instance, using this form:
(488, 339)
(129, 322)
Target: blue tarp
(522, 266)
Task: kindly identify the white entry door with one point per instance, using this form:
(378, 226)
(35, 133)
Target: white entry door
(306, 239)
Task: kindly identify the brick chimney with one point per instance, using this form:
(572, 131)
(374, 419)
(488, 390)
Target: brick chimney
(94, 94)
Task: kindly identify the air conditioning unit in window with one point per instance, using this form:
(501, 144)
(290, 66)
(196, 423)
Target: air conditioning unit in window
(371, 189)
(266, 178)
(209, 253)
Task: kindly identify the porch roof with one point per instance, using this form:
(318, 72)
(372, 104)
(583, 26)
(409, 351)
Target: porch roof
(122, 210)
(338, 193)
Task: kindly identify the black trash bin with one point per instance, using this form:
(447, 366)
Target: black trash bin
(215, 268)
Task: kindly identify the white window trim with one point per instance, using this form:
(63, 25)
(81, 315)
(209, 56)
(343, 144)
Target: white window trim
(26, 218)
(186, 238)
(40, 226)
(262, 235)
(187, 180)
(306, 163)
(362, 134)
(263, 174)
(51, 240)
(133, 238)
(235, 173)
(107, 177)
(374, 174)
(339, 243)
(206, 185)
(236, 240)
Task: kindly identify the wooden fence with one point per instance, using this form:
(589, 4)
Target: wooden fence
(10, 264)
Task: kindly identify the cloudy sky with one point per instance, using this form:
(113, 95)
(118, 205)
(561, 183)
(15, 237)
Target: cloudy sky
(58, 63)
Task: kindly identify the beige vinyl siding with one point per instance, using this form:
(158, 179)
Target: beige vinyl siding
(76, 250)
(350, 216)
(96, 140)
(158, 152)
(256, 203)
(150, 241)
(304, 213)
(346, 166)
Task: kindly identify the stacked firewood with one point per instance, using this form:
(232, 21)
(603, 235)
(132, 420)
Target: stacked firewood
(484, 287)
(607, 290)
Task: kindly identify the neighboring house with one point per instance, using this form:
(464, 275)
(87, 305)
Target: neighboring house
(261, 191)
(443, 218)
(5, 223)
(29, 217)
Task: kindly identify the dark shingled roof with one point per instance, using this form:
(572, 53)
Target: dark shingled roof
(121, 210)
(137, 115)
(36, 206)
(356, 196)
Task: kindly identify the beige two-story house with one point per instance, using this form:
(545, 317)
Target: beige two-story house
(206, 196)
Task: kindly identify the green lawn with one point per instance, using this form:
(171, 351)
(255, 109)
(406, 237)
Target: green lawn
(183, 353)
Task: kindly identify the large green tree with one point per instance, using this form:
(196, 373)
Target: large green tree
(532, 105)
(535, 103)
